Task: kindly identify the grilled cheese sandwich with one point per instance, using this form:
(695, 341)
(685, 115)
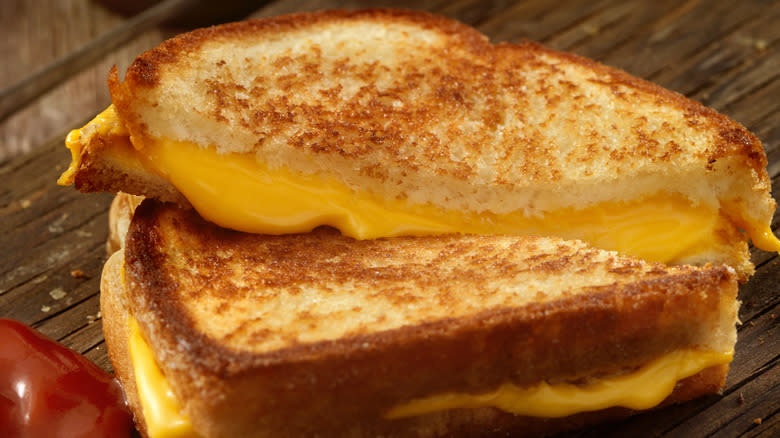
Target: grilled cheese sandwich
(267, 319)
(237, 192)
(642, 389)
(389, 134)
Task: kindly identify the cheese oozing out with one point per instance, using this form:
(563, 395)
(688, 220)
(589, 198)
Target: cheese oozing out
(642, 389)
(162, 411)
(237, 191)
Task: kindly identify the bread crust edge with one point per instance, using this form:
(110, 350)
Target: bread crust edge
(471, 422)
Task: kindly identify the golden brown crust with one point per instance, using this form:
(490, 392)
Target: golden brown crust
(734, 139)
(471, 80)
(113, 307)
(639, 312)
(119, 215)
(145, 71)
(107, 164)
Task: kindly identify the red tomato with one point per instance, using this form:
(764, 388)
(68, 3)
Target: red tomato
(48, 390)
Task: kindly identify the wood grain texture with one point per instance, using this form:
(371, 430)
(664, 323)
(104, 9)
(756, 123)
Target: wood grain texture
(724, 55)
(35, 40)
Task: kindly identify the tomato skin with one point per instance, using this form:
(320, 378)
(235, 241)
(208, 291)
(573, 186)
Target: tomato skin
(48, 390)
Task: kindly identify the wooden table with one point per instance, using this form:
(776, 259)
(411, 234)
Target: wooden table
(723, 53)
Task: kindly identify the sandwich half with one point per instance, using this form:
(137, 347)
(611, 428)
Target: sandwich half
(218, 333)
(385, 123)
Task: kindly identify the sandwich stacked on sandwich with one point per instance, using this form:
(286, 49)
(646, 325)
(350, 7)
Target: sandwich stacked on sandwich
(436, 155)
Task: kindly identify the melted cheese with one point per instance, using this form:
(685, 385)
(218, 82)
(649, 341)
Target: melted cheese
(73, 141)
(236, 191)
(763, 238)
(242, 194)
(107, 123)
(642, 389)
(162, 411)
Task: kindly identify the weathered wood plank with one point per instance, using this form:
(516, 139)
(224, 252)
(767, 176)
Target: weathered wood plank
(17, 95)
(590, 27)
(768, 428)
(772, 146)
(475, 12)
(756, 105)
(99, 355)
(27, 203)
(82, 337)
(59, 232)
(288, 7)
(739, 411)
(738, 56)
(628, 23)
(678, 35)
(538, 21)
(33, 41)
(43, 273)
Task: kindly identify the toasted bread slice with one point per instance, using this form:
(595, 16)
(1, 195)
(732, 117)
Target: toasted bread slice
(317, 333)
(385, 122)
(119, 216)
